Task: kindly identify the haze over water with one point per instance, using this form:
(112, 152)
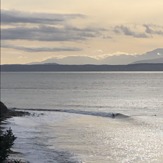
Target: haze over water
(74, 122)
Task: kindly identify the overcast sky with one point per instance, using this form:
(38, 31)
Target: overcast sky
(35, 30)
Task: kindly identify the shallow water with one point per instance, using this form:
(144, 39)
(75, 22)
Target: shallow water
(65, 137)
(73, 122)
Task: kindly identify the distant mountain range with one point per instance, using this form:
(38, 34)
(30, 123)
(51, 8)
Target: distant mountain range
(150, 61)
(155, 56)
(157, 60)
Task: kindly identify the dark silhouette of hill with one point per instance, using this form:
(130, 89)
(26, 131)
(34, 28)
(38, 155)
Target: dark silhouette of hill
(57, 67)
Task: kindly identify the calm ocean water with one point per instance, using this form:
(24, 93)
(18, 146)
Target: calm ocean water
(72, 120)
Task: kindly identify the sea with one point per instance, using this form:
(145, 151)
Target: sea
(86, 117)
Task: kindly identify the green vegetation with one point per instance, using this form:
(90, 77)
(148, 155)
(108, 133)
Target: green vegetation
(6, 141)
(7, 137)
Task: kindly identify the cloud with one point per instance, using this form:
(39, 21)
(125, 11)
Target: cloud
(47, 33)
(153, 29)
(41, 49)
(44, 27)
(129, 32)
(15, 17)
(139, 31)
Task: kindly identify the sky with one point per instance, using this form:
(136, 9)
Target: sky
(36, 30)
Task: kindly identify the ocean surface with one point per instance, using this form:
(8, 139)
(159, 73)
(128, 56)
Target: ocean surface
(86, 117)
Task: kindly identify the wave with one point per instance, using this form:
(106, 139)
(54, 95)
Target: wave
(92, 113)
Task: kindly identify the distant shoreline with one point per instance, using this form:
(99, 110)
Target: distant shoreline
(78, 68)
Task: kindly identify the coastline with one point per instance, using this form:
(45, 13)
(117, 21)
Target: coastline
(139, 136)
(7, 137)
(8, 113)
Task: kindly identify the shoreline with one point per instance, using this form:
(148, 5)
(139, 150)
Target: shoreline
(7, 137)
(135, 132)
(8, 113)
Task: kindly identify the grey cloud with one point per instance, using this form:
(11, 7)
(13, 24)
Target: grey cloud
(41, 49)
(44, 27)
(14, 17)
(153, 29)
(48, 33)
(127, 31)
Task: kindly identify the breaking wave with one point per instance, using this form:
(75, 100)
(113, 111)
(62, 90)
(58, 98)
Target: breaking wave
(82, 112)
